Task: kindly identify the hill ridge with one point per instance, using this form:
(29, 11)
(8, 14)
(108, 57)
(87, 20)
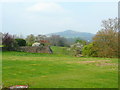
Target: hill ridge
(74, 34)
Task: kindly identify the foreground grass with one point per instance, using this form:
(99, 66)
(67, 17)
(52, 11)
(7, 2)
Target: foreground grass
(58, 71)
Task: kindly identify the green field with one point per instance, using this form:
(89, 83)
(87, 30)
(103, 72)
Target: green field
(58, 70)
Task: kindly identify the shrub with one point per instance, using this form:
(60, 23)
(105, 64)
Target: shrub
(21, 42)
(76, 48)
(88, 50)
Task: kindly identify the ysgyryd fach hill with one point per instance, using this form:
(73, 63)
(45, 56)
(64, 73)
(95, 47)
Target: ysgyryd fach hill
(74, 34)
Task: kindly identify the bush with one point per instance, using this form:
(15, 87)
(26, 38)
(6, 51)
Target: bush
(21, 42)
(88, 50)
(76, 48)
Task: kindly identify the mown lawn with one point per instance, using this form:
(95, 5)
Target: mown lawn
(58, 71)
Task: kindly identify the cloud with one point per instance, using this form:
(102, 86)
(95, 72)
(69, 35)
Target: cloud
(45, 7)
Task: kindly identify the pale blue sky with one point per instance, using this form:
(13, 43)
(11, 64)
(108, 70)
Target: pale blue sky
(43, 18)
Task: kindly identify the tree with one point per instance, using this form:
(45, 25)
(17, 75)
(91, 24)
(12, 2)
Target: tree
(40, 37)
(8, 41)
(62, 42)
(110, 24)
(21, 42)
(106, 40)
(57, 40)
(53, 39)
(30, 39)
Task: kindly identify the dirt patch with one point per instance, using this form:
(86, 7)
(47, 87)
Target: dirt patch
(89, 61)
(106, 64)
(97, 62)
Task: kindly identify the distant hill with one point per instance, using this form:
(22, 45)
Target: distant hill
(74, 34)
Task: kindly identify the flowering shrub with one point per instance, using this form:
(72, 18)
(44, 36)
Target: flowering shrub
(76, 48)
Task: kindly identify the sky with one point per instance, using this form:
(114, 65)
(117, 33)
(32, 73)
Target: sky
(49, 17)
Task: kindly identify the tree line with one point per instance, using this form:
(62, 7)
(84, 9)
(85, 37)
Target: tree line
(14, 41)
(104, 44)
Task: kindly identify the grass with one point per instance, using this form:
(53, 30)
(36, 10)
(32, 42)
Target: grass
(58, 70)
